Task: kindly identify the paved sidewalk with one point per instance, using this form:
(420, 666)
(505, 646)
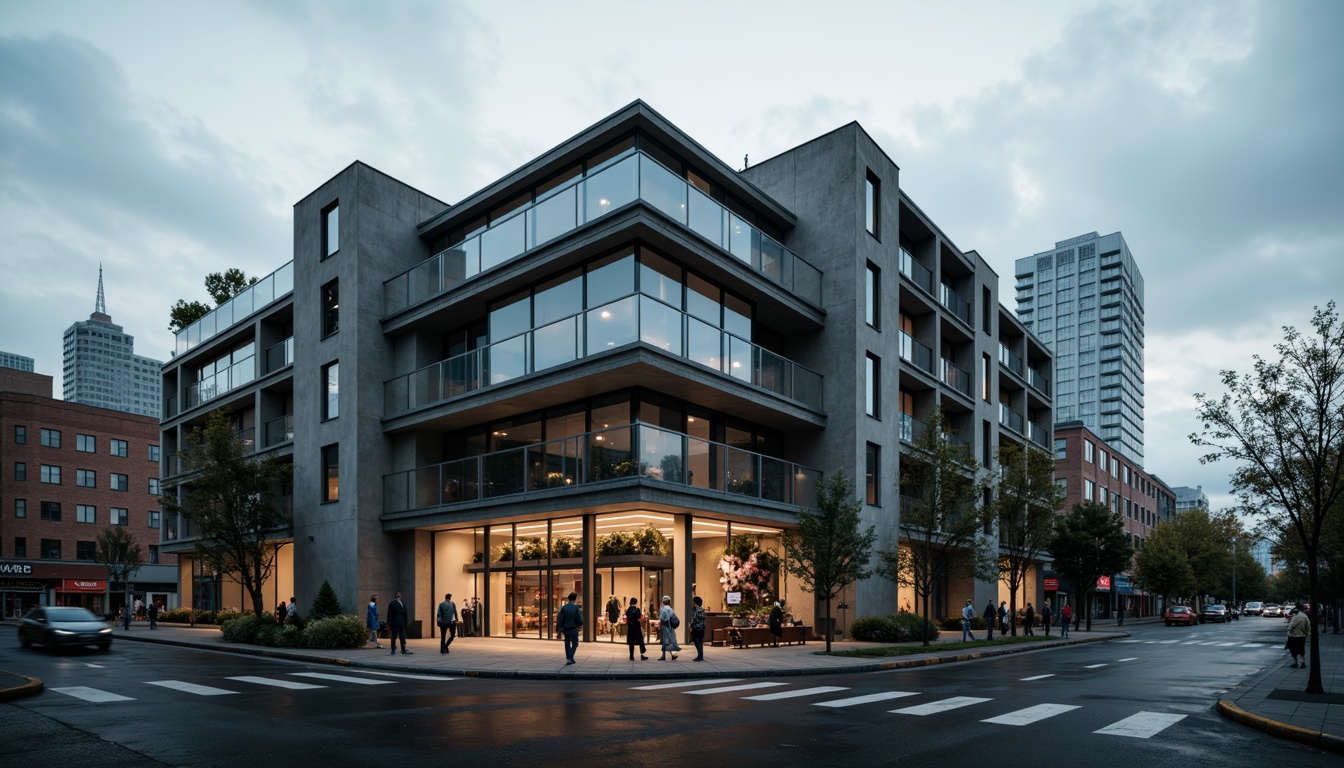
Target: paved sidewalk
(1273, 701)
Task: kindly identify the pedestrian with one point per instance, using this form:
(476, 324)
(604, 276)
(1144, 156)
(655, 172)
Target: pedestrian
(1298, 628)
(1065, 616)
(568, 622)
(1120, 616)
(153, 611)
(126, 617)
(292, 614)
(776, 623)
(667, 629)
(613, 615)
(396, 624)
(1028, 620)
(371, 622)
(991, 616)
(698, 627)
(967, 616)
(447, 623)
(1003, 617)
(281, 612)
(1045, 617)
(139, 608)
(634, 630)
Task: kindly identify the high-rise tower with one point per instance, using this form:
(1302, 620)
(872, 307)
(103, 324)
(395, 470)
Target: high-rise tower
(101, 367)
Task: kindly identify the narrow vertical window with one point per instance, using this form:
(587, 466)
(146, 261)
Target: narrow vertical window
(872, 291)
(331, 463)
(872, 192)
(986, 307)
(331, 382)
(984, 377)
(331, 230)
(331, 308)
(872, 474)
(872, 386)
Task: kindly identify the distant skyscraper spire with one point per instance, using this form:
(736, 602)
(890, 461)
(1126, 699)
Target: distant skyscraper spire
(101, 306)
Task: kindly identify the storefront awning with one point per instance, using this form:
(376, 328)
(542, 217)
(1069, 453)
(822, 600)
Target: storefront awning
(82, 585)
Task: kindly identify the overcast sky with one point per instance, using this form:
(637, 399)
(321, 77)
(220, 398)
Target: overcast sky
(168, 140)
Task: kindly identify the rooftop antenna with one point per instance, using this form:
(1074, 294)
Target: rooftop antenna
(101, 306)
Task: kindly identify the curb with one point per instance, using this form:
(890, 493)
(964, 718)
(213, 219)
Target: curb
(875, 666)
(1306, 736)
(31, 688)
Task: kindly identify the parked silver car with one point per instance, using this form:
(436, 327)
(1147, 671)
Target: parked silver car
(54, 626)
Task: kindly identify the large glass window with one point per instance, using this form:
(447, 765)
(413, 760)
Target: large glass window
(120, 516)
(154, 453)
(120, 448)
(331, 463)
(331, 308)
(120, 482)
(510, 317)
(331, 382)
(155, 518)
(610, 278)
(555, 299)
(659, 278)
(86, 478)
(51, 549)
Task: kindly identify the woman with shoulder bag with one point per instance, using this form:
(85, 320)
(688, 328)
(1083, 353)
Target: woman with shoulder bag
(667, 629)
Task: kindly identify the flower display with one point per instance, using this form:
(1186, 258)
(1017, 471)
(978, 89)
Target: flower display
(746, 576)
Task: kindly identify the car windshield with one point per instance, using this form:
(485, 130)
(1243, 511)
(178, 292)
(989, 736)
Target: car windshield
(1217, 608)
(1180, 610)
(70, 614)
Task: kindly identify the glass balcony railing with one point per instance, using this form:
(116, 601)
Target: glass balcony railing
(918, 273)
(637, 177)
(208, 388)
(910, 428)
(280, 430)
(280, 355)
(629, 320)
(636, 450)
(1010, 418)
(1038, 381)
(956, 377)
(258, 296)
(1038, 434)
(954, 303)
(915, 352)
(1010, 359)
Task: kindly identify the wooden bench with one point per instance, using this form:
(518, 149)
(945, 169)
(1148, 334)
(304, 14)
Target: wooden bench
(745, 637)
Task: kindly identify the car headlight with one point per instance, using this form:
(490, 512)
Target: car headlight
(63, 632)
(105, 631)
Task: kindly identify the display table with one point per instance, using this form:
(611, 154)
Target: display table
(745, 637)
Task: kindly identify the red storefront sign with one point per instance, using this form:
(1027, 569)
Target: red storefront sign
(1104, 582)
(1051, 585)
(83, 585)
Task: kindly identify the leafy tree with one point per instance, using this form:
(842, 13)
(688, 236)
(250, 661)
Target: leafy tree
(120, 552)
(941, 515)
(829, 552)
(1283, 425)
(1089, 543)
(326, 604)
(221, 286)
(231, 500)
(1163, 566)
(1026, 507)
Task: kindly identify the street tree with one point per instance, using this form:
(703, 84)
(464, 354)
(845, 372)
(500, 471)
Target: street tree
(830, 551)
(116, 549)
(1026, 505)
(1283, 426)
(221, 286)
(1162, 567)
(941, 516)
(232, 501)
(1089, 543)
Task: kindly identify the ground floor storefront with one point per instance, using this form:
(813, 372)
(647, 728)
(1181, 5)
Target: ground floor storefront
(25, 585)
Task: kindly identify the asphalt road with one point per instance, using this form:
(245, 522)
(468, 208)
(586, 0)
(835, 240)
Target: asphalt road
(1143, 701)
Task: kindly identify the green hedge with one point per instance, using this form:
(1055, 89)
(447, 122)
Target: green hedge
(953, 623)
(900, 628)
(332, 633)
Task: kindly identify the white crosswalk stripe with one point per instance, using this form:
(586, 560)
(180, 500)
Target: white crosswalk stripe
(290, 684)
(1037, 677)
(90, 694)
(1142, 725)
(342, 678)
(1131, 641)
(685, 684)
(1131, 658)
(199, 690)
(1225, 645)
(795, 694)
(1031, 714)
(437, 678)
(1255, 645)
(1094, 666)
(1169, 642)
(732, 688)
(933, 708)
(868, 699)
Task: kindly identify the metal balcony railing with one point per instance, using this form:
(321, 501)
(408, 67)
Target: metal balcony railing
(956, 377)
(915, 352)
(954, 303)
(1010, 359)
(915, 270)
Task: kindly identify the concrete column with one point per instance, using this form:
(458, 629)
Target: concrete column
(683, 571)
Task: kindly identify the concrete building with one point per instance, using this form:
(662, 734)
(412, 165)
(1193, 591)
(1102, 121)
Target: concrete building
(1093, 470)
(1191, 498)
(17, 362)
(102, 369)
(1084, 299)
(70, 471)
(619, 370)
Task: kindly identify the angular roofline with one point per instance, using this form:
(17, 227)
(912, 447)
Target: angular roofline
(362, 164)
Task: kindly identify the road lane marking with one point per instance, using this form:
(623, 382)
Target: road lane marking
(1191, 642)
(935, 707)
(870, 698)
(439, 678)
(292, 685)
(91, 694)
(1131, 641)
(95, 666)
(1143, 725)
(1131, 658)
(1169, 642)
(1224, 645)
(794, 694)
(1037, 677)
(1149, 642)
(342, 678)
(1094, 666)
(199, 690)
(1213, 643)
(732, 688)
(685, 683)
(1254, 645)
(1031, 714)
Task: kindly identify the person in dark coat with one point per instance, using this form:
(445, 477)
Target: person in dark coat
(396, 624)
(991, 616)
(1045, 617)
(1028, 620)
(634, 632)
(777, 623)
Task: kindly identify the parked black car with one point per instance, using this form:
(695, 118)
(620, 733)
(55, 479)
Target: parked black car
(1216, 613)
(54, 626)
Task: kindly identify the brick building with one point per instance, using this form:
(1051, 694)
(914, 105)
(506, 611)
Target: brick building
(68, 472)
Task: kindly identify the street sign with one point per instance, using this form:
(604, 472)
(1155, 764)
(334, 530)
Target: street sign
(1104, 584)
(1051, 585)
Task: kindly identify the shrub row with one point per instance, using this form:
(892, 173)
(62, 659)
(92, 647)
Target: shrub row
(953, 623)
(332, 633)
(183, 616)
(900, 628)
